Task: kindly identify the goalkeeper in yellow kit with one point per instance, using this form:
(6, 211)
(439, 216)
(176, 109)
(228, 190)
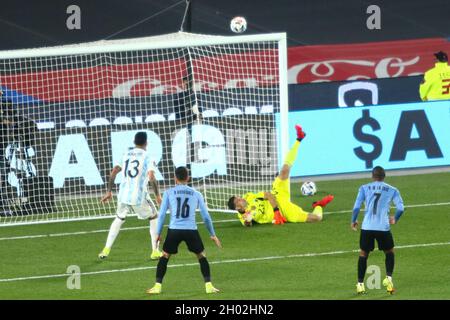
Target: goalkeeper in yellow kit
(276, 206)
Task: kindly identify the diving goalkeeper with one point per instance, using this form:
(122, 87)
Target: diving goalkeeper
(276, 206)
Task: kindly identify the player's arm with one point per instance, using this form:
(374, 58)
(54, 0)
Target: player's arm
(112, 178)
(162, 214)
(425, 87)
(207, 219)
(400, 208)
(356, 208)
(153, 184)
(271, 198)
(278, 218)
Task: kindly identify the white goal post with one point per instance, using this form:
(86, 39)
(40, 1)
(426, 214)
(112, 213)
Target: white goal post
(217, 104)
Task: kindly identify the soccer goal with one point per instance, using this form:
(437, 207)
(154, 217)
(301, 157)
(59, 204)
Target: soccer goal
(217, 104)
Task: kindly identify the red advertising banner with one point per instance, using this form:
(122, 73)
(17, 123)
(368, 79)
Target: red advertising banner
(88, 79)
(363, 60)
(91, 80)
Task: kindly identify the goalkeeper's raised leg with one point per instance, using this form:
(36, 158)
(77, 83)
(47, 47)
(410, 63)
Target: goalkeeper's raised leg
(276, 206)
(291, 211)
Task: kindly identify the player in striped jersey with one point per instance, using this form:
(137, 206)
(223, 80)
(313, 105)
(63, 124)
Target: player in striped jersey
(138, 173)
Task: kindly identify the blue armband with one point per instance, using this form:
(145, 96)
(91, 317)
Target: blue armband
(355, 215)
(398, 214)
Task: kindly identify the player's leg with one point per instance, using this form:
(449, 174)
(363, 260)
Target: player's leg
(112, 235)
(121, 214)
(206, 273)
(280, 187)
(386, 243)
(291, 211)
(317, 213)
(170, 247)
(362, 267)
(291, 155)
(161, 270)
(294, 213)
(366, 244)
(148, 211)
(281, 184)
(389, 261)
(315, 216)
(195, 245)
(156, 253)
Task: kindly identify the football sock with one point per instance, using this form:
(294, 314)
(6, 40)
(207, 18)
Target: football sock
(204, 267)
(362, 266)
(161, 269)
(114, 232)
(389, 263)
(153, 235)
(318, 211)
(292, 154)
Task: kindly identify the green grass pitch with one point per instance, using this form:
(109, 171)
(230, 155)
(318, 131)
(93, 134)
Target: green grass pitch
(292, 261)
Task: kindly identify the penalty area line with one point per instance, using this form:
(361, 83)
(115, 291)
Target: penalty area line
(290, 256)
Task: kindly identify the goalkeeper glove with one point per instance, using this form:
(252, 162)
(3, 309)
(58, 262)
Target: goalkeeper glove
(247, 217)
(300, 133)
(278, 218)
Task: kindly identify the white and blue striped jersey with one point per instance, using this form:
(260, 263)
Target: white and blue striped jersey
(135, 165)
(377, 197)
(182, 201)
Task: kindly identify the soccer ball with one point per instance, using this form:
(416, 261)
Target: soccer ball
(308, 188)
(238, 24)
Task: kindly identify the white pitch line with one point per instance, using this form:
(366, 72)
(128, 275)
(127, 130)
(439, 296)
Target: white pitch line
(218, 221)
(91, 231)
(301, 255)
(427, 204)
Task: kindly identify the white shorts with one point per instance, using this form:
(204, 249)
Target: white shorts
(147, 210)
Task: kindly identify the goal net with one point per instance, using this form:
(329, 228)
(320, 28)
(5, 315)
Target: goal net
(215, 104)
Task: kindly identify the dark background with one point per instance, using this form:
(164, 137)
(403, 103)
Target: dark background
(32, 23)
(325, 94)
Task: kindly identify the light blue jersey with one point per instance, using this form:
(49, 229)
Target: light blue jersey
(182, 201)
(377, 197)
(135, 167)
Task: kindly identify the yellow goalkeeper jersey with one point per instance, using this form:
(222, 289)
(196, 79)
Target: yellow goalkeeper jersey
(436, 83)
(258, 207)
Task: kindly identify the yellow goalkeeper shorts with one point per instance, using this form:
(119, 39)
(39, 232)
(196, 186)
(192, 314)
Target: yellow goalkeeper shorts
(292, 212)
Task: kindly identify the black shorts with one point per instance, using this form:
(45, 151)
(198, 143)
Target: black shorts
(176, 236)
(384, 239)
